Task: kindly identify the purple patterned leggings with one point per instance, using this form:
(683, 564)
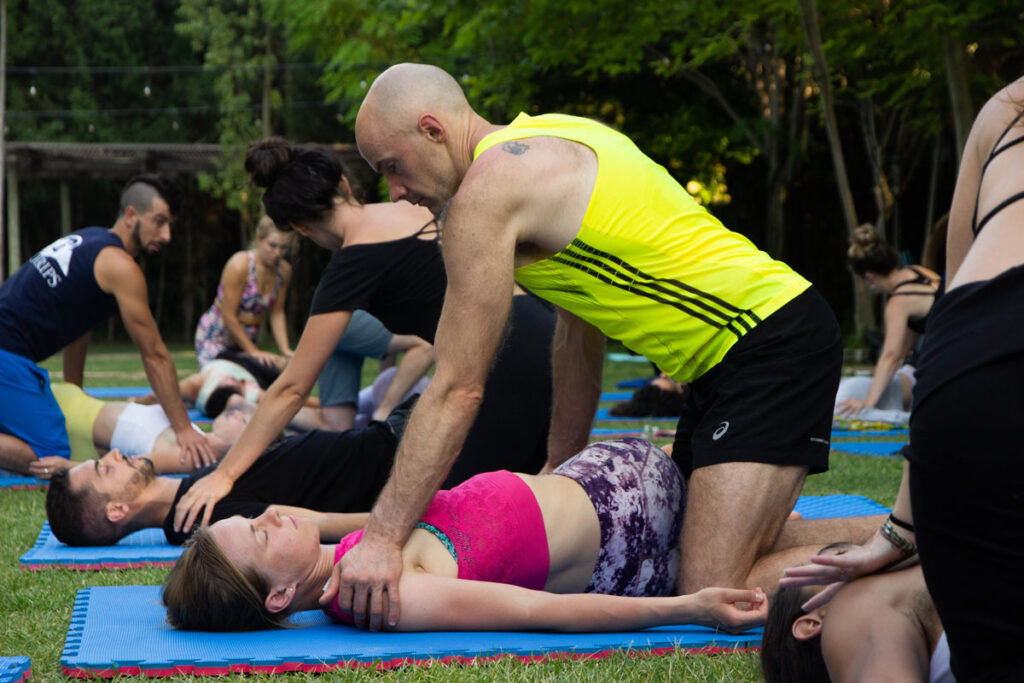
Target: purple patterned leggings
(639, 496)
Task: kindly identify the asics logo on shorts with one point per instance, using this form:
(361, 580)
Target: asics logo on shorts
(720, 431)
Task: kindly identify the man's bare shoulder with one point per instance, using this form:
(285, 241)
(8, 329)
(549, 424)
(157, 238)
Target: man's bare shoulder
(541, 184)
(116, 271)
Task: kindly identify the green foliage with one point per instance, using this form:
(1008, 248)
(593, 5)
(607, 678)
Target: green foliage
(93, 61)
(235, 34)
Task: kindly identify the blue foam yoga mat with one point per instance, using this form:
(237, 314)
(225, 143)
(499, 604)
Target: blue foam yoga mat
(627, 358)
(632, 383)
(15, 669)
(117, 392)
(616, 396)
(840, 433)
(870, 447)
(144, 548)
(131, 392)
(608, 431)
(837, 505)
(603, 414)
(122, 629)
(13, 480)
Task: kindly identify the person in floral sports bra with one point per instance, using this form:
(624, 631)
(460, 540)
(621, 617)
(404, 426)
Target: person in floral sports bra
(253, 285)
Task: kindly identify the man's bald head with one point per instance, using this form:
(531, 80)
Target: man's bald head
(403, 92)
(414, 127)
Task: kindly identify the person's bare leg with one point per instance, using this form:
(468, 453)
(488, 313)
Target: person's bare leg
(734, 514)
(15, 454)
(338, 418)
(822, 532)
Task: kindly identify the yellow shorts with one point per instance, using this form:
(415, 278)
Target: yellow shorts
(80, 412)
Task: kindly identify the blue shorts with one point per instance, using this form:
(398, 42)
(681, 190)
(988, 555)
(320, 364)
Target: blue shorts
(28, 409)
(365, 337)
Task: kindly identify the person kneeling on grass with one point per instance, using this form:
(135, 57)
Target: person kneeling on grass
(489, 554)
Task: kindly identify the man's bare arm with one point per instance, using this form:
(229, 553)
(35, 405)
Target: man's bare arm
(477, 302)
(119, 275)
(74, 360)
(577, 363)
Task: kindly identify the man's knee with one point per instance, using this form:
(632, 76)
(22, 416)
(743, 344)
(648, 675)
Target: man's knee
(734, 513)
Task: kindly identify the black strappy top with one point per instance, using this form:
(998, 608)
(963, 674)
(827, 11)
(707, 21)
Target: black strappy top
(996, 151)
(919, 323)
(401, 282)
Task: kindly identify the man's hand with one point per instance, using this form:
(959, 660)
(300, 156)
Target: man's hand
(732, 609)
(835, 571)
(850, 407)
(366, 583)
(44, 467)
(203, 495)
(194, 448)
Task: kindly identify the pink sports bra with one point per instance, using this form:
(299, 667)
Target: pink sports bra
(492, 526)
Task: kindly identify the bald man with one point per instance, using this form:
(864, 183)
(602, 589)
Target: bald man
(575, 213)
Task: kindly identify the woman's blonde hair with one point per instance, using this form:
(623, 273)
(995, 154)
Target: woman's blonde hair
(869, 253)
(205, 591)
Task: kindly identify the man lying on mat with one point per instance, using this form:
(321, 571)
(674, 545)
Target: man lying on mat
(96, 426)
(101, 501)
(882, 626)
(606, 522)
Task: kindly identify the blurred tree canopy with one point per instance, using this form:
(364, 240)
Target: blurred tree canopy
(725, 95)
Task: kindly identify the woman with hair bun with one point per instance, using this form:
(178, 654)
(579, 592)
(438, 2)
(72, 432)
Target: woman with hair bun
(388, 263)
(253, 286)
(912, 291)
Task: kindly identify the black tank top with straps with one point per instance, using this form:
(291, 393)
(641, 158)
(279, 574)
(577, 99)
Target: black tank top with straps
(976, 225)
(918, 324)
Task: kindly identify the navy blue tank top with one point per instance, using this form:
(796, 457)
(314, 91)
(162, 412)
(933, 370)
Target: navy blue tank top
(54, 299)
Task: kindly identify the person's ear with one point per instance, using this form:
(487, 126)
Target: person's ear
(808, 626)
(279, 598)
(346, 187)
(116, 511)
(432, 127)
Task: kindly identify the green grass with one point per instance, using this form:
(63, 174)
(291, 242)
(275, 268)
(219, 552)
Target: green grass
(35, 607)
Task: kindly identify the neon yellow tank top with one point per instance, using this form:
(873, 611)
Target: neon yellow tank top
(650, 267)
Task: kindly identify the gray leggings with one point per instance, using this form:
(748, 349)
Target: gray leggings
(639, 496)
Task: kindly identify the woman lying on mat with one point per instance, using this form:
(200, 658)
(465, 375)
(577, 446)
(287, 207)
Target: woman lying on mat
(494, 553)
(95, 427)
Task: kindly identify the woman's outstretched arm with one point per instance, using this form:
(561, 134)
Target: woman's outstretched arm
(436, 603)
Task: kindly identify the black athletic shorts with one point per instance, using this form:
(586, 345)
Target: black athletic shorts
(770, 400)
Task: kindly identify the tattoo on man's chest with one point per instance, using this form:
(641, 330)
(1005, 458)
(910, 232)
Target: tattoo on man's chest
(515, 147)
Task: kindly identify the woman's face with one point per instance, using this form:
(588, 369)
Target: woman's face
(280, 549)
(272, 248)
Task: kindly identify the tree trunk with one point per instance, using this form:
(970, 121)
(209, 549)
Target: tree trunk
(863, 308)
(959, 90)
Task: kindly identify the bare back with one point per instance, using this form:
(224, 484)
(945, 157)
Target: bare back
(1000, 244)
